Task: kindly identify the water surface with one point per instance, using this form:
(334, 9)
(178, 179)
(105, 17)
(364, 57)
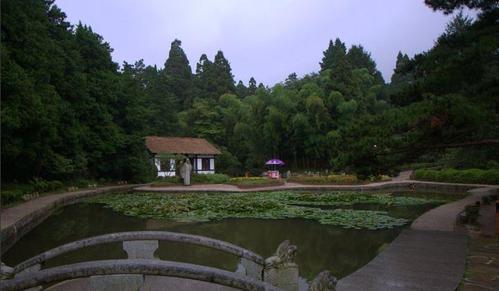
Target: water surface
(320, 247)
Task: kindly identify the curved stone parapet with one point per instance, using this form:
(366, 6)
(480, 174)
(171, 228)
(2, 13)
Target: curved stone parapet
(134, 266)
(19, 220)
(142, 235)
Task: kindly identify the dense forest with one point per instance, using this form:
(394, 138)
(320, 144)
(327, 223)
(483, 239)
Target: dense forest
(68, 111)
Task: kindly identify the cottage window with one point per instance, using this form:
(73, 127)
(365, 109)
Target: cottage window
(165, 165)
(205, 164)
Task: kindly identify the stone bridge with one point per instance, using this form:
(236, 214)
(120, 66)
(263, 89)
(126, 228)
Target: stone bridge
(143, 271)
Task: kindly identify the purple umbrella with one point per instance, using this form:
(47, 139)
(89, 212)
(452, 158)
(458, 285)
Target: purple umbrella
(274, 162)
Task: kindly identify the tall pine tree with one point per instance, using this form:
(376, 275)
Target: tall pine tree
(178, 75)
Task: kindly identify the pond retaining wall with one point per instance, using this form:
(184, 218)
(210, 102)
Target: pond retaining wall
(19, 220)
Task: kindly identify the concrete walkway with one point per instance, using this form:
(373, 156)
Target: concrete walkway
(431, 255)
(443, 218)
(415, 260)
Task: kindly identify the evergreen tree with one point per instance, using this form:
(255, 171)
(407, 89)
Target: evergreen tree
(327, 59)
(340, 70)
(223, 71)
(359, 58)
(241, 90)
(177, 74)
(252, 86)
(448, 6)
(205, 78)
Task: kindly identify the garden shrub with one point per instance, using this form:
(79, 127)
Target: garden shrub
(474, 176)
(40, 185)
(195, 179)
(11, 196)
(209, 178)
(229, 164)
(252, 182)
(329, 179)
(471, 214)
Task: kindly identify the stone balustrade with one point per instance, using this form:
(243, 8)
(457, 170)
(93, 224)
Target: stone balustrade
(143, 271)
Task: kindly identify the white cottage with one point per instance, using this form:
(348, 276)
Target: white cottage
(198, 150)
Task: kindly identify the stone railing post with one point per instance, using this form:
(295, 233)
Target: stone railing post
(135, 249)
(140, 249)
(280, 270)
(250, 268)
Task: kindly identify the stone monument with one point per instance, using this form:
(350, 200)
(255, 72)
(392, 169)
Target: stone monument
(185, 172)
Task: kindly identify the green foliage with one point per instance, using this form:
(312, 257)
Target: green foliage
(210, 178)
(229, 164)
(254, 182)
(471, 214)
(41, 185)
(177, 76)
(474, 176)
(69, 112)
(11, 196)
(195, 179)
(448, 6)
(262, 205)
(329, 179)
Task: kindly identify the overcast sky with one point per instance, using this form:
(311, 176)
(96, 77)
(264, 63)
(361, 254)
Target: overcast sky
(267, 39)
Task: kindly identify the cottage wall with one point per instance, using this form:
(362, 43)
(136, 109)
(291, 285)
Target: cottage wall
(170, 173)
(197, 166)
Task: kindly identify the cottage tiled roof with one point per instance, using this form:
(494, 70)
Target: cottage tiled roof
(180, 145)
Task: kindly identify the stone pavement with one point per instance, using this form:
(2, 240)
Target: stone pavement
(431, 255)
(415, 260)
(403, 176)
(443, 218)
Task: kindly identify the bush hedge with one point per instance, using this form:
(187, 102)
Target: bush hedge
(329, 179)
(472, 176)
(195, 179)
(41, 185)
(210, 179)
(254, 182)
(11, 196)
(12, 193)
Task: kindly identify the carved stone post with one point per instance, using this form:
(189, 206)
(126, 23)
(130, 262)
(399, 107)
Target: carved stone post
(280, 269)
(250, 269)
(135, 249)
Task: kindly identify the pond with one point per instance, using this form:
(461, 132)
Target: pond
(320, 246)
